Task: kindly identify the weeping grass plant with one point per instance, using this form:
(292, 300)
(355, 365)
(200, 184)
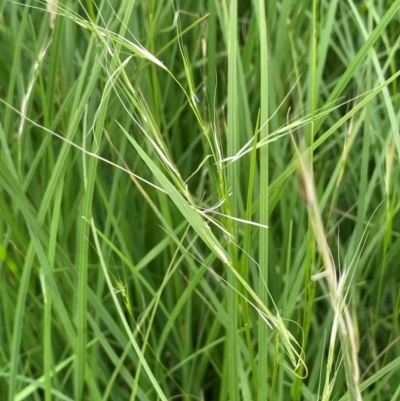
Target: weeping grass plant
(199, 200)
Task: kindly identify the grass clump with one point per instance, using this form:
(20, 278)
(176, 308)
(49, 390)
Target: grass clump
(199, 200)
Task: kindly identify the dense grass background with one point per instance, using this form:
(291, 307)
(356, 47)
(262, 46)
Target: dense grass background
(139, 140)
